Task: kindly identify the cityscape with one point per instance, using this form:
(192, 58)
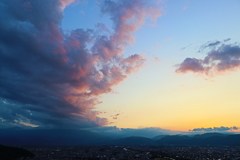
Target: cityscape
(134, 152)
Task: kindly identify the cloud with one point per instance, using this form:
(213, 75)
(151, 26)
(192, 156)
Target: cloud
(52, 79)
(212, 44)
(217, 61)
(126, 132)
(183, 48)
(215, 129)
(190, 64)
(156, 60)
(168, 39)
(115, 116)
(228, 39)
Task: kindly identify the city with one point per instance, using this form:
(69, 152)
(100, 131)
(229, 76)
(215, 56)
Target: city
(134, 152)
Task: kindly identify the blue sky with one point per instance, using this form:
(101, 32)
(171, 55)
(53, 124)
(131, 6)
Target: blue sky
(80, 67)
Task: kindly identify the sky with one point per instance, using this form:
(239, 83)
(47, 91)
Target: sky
(165, 65)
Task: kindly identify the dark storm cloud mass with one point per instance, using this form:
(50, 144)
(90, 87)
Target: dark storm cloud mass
(219, 59)
(51, 79)
(215, 129)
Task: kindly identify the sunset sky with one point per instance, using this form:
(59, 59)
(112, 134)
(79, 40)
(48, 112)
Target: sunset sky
(166, 64)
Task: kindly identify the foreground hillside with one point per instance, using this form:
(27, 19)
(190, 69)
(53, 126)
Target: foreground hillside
(12, 153)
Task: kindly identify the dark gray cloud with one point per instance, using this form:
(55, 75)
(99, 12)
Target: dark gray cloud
(183, 48)
(215, 129)
(212, 45)
(226, 40)
(218, 60)
(115, 116)
(48, 78)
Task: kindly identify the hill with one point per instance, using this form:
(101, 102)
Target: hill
(16, 136)
(129, 141)
(212, 139)
(13, 153)
(43, 137)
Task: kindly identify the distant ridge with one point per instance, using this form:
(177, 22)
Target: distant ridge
(13, 137)
(214, 139)
(159, 137)
(134, 140)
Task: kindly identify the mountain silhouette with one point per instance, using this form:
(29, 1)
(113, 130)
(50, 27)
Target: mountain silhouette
(16, 136)
(13, 137)
(159, 137)
(134, 140)
(214, 139)
(13, 153)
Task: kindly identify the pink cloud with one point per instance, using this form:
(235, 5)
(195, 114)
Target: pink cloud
(190, 65)
(132, 63)
(58, 76)
(157, 60)
(65, 3)
(222, 59)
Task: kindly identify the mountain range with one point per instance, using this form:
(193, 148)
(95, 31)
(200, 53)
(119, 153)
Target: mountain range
(15, 137)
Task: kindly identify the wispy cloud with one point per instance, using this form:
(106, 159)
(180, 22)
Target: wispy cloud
(212, 45)
(53, 79)
(156, 60)
(215, 129)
